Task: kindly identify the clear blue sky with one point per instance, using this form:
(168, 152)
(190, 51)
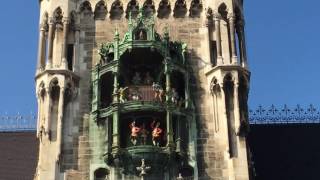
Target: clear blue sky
(282, 39)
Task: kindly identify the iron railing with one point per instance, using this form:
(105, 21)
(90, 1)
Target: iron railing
(18, 122)
(285, 115)
(260, 115)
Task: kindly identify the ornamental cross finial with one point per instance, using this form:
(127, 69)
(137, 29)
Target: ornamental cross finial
(180, 177)
(143, 169)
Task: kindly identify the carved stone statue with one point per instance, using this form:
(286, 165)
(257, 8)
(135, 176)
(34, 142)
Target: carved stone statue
(122, 94)
(158, 92)
(156, 133)
(134, 132)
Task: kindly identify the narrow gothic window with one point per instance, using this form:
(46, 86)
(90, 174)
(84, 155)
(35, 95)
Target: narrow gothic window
(213, 52)
(70, 53)
(229, 99)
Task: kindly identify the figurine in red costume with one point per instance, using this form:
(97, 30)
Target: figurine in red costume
(134, 132)
(156, 133)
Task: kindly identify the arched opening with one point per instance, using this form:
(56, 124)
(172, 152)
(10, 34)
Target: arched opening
(139, 74)
(229, 101)
(41, 106)
(140, 34)
(116, 10)
(133, 8)
(243, 92)
(100, 11)
(195, 8)
(57, 36)
(223, 11)
(144, 122)
(180, 9)
(216, 95)
(164, 9)
(148, 8)
(54, 108)
(178, 88)
(106, 84)
(101, 174)
(225, 34)
(85, 9)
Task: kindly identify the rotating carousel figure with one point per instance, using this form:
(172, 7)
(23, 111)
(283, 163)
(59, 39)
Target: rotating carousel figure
(134, 132)
(156, 133)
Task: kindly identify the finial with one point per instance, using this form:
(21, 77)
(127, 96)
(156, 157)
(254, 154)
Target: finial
(143, 169)
(180, 177)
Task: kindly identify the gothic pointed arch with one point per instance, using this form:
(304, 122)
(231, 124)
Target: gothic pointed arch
(132, 9)
(180, 9)
(100, 11)
(148, 8)
(54, 89)
(195, 8)
(58, 15)
(228, 88)
(73, 20)
(85, 9)
(223, 11)
(101, 174)
(116, 10)
(243, 92)
(214, 86)
(164, 9)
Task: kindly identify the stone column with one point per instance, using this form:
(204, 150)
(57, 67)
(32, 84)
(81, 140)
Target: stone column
(232, 39)
(115, 87)
(178, 136)
(76, 50)
(223, 114)
(168, 83)
(170, 143)
(41, 48)
(236, 104)
(50, 43)
(60, 122)
(64, 62)
(242, 43)
(48, 110)
(115, 132)
(217, 18)
(209, 23)
(187, 91)
(39, 114)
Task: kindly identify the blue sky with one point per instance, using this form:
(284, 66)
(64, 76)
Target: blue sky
(282, 40)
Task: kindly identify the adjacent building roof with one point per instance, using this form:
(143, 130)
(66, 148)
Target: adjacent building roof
(18, 155)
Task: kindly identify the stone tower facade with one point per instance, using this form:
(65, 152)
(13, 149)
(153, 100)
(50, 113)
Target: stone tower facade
(142, 89)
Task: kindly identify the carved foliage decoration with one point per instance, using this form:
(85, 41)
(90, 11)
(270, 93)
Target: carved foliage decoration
(116, 10)
(195, 8)
(180, 9)
(133, 8)
(164, 9)
(100, 10)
